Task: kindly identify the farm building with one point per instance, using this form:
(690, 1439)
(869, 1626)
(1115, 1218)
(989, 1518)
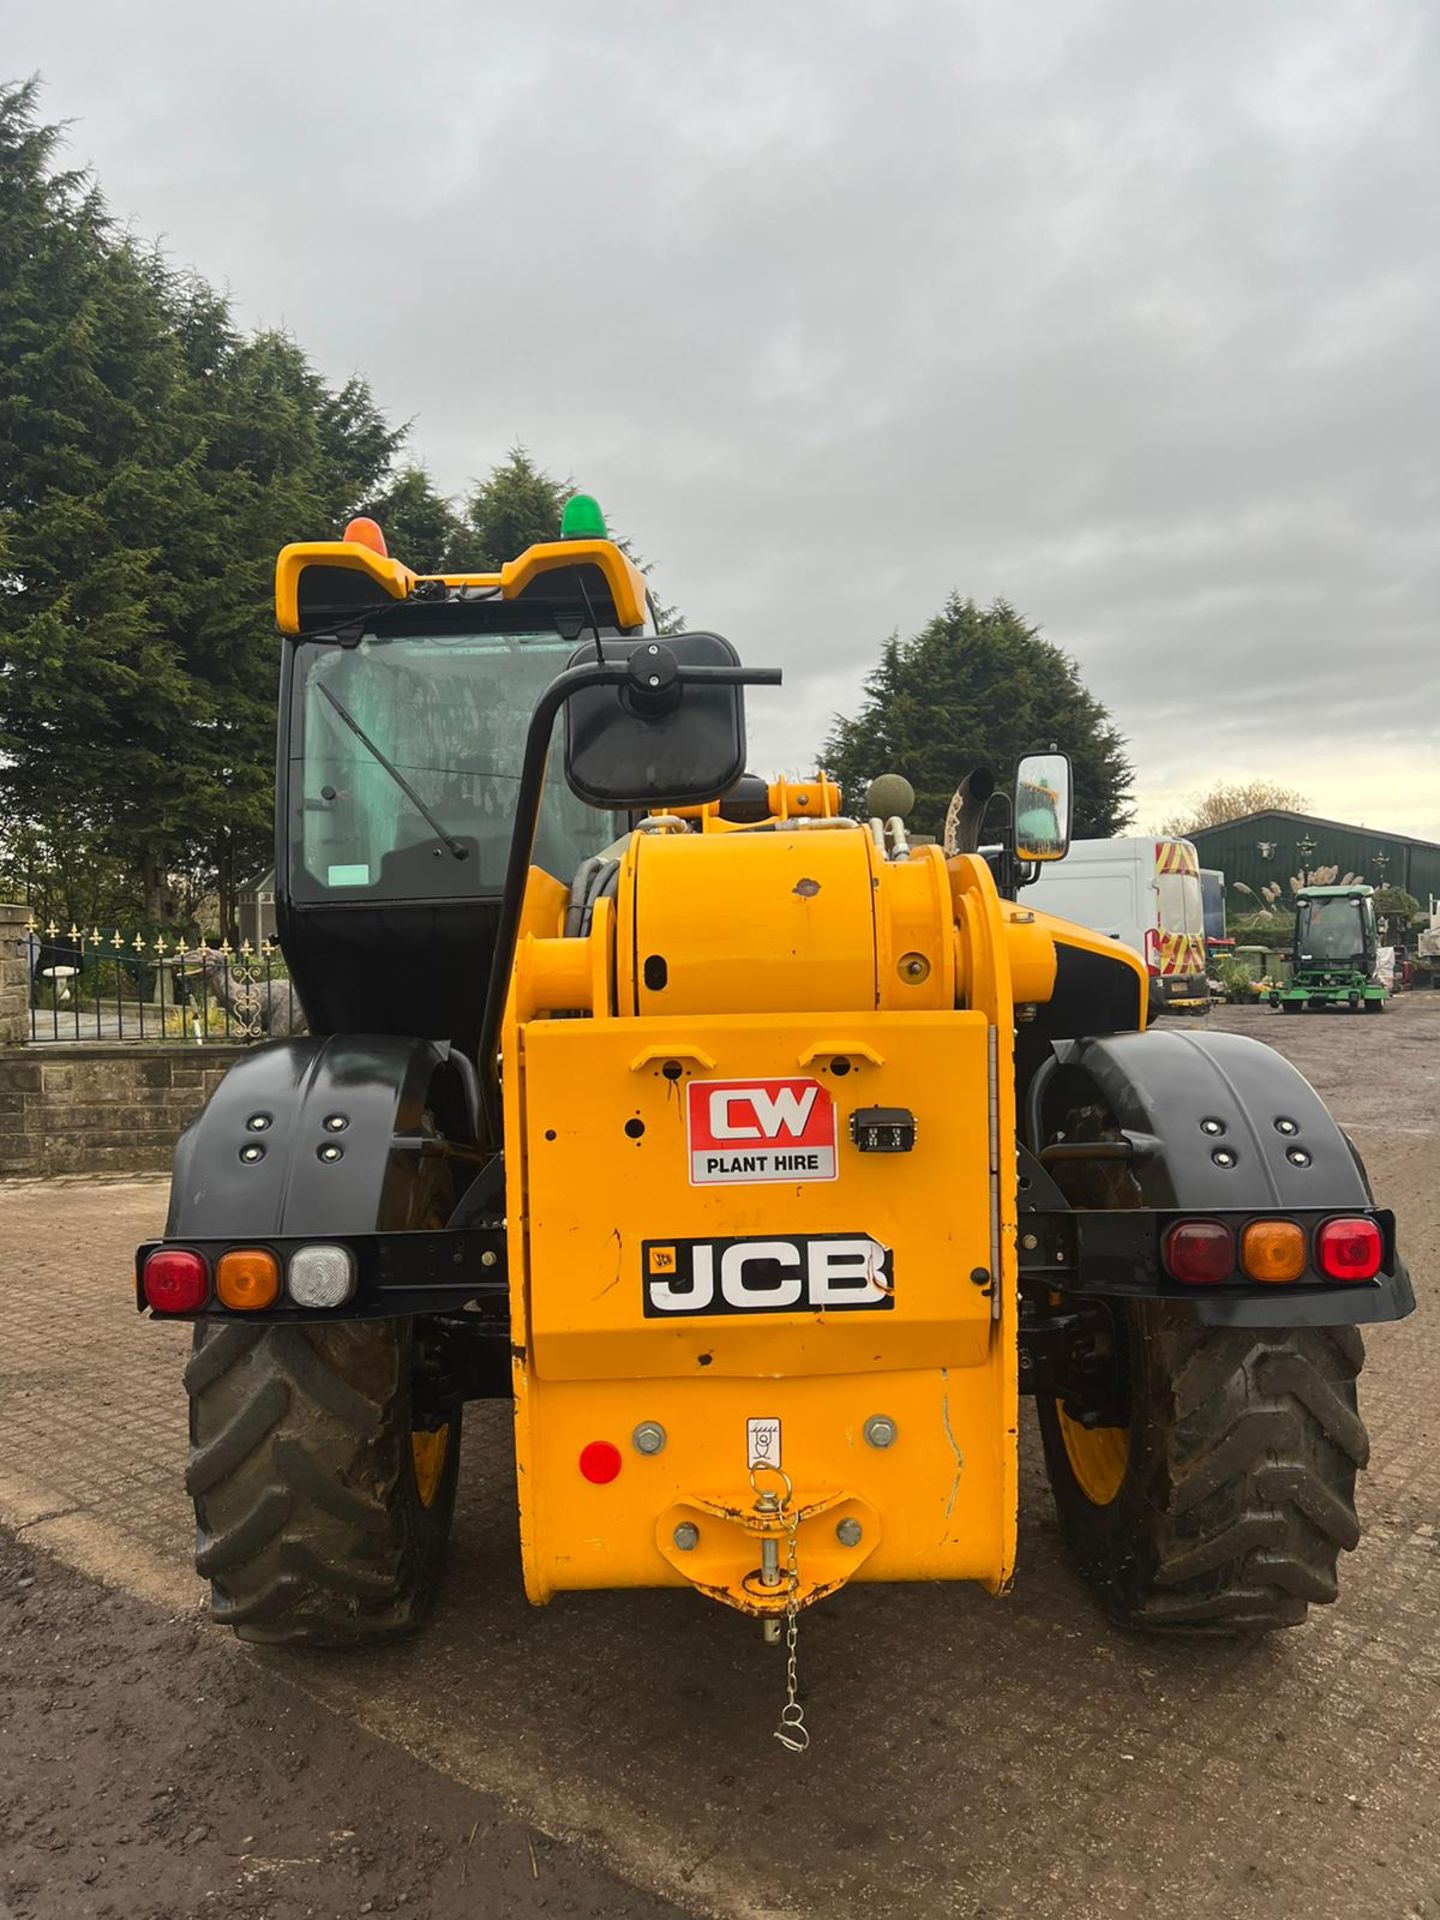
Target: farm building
(1260, 849)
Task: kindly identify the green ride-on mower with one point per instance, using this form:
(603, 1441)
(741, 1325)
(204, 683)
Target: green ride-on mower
(1336, 946)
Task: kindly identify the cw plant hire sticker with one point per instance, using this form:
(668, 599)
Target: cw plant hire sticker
(751, 1130)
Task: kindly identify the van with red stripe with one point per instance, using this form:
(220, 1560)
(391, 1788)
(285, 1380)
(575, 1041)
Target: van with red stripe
(1144, 893)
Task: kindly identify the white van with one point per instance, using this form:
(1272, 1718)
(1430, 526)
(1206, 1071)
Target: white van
(1141, 891)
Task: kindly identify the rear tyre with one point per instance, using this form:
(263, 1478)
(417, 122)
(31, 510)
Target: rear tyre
(1225, 1504)
(1292, 1006)
(323, 1488)
(322, 1512)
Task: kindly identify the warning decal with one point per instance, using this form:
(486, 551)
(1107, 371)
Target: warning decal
(741, 1130)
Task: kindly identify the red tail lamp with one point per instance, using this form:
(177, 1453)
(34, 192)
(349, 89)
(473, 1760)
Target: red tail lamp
(1200, 1253)
(600, 1462)
(1349, 1249)
(175, 1281)
(362, 532)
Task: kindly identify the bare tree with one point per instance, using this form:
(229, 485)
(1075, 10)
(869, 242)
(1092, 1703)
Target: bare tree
(1232, 800)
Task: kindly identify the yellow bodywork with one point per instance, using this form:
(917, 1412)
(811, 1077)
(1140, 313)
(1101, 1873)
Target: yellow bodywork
(623, 580)
(749, 1356)
(793, 956)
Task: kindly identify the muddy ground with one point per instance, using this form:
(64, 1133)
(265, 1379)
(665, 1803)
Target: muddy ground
(148, 1773)
(972, 1757)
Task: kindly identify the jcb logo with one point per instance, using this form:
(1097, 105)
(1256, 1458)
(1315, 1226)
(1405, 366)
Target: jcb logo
(743, 1130)
(812, 1272)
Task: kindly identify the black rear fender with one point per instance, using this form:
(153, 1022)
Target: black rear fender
(1169, 1090)
(1217, 1124)
(337, 1121)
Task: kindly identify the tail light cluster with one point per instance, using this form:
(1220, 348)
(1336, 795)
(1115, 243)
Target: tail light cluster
(1204, 1253)
(247, 1279)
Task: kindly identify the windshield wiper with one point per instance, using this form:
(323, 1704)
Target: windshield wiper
(460, 852)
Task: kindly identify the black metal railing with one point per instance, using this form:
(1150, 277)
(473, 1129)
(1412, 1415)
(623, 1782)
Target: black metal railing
(97, 986)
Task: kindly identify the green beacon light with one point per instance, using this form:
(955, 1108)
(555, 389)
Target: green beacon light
(582, 519)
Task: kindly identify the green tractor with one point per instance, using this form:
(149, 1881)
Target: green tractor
(1336, 946)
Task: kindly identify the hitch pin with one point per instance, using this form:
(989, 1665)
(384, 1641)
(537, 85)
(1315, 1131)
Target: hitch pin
(769, 1545)
(768, 1503)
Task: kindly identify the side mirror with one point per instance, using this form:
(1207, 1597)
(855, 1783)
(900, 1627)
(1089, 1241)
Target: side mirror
(658, 738)
(1042, 807)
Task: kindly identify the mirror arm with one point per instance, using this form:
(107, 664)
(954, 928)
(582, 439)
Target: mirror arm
(593, 673)
(522, 845)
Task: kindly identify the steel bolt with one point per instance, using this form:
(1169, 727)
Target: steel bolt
(252, 1153)
(258, 1122)
(1212, 1126)
(1223, 1157)
(686, 1536)
(489, 1257)
(648, 1437)
(1283, 1125)
(329, 1153)
(1297, 1156)
(848, 1533)
(1029, 1241)
(881, 1431)
(335, 1123)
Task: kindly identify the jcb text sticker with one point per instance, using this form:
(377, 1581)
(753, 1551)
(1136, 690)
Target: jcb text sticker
(829, 1273)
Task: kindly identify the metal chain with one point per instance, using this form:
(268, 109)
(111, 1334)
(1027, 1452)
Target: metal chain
(792, 1731)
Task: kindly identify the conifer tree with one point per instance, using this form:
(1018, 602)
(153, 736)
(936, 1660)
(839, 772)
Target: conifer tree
(979, 686)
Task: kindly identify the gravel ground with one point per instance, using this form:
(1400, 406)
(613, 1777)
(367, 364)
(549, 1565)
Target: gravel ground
(972, 1757)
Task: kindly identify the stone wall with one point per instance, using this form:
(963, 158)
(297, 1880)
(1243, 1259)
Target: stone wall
(14, 976)
(110, 1108)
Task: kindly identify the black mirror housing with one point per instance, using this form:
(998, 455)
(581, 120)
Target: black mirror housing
(655, 740)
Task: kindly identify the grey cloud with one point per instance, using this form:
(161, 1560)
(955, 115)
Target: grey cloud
(1124, 312)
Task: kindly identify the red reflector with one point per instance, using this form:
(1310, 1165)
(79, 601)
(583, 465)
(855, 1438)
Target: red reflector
(600, 1461)
(1199, 1252)
(1349, 1249)
(176, 1281)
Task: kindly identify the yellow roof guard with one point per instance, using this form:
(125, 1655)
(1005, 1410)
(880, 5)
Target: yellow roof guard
(321, 583)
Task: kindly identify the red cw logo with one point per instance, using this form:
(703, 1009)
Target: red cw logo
(744, 1130)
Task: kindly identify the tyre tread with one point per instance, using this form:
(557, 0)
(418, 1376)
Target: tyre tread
(1258, 1480)
(307, 1524)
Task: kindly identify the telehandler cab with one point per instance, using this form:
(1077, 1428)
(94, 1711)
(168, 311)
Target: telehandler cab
(761, 1157)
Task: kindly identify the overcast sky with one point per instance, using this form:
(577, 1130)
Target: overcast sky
(1127, 312)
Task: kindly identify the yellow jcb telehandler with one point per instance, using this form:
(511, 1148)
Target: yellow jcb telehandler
(762, 1157)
